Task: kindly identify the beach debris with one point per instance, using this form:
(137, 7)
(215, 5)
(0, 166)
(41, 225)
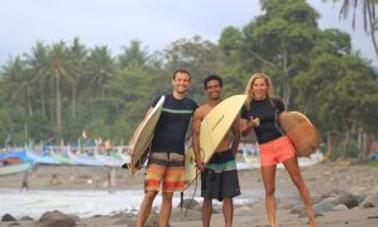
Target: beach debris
(54, 219)
(348, 200)
(325, 205)
(370, 201)
(8, 217)
(26, 218)
(340, 207)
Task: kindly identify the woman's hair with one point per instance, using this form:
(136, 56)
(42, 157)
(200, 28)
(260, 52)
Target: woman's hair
(248, 88)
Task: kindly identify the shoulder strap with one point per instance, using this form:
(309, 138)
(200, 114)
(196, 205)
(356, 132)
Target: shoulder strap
(276, 117)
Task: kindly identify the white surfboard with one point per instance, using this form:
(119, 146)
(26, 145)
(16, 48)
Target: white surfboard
(144, 137)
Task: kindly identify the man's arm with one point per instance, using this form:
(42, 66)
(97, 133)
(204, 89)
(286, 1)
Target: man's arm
(236, 135)
(196, 126)
(130, 149)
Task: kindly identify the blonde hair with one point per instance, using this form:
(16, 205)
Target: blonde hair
(248, 88)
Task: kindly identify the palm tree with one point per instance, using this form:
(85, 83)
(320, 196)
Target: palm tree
(55, 72)
(100, 69)
(134, 55)
(78, 58)
(38, 62)
(18, 82)
(369, 18)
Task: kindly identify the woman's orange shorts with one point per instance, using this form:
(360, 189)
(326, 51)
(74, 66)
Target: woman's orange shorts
(276, 151)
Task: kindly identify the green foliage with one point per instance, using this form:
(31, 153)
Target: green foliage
(230, 40)
(278, 42)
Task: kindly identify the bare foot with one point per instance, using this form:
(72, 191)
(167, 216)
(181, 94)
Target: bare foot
(312, 222)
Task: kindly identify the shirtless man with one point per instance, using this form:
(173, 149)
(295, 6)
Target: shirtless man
(219, 178)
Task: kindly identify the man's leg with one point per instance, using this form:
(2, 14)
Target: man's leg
(268, 174)
(228, 211)
(207, 210)
(173, 180)
(165, 209)
(145, 207)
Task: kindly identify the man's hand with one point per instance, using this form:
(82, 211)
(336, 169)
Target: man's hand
(130, 150)
(199, 165)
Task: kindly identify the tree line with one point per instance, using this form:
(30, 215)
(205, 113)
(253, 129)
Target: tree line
(56, 90)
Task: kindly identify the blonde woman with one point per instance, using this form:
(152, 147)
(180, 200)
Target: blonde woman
(260, 114)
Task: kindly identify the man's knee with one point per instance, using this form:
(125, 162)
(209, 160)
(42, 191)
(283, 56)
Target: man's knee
(167, 196)
(227, 200)
(207, 201)
(150, 195)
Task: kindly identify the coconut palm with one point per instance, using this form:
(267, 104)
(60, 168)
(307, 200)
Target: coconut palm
(54, 73)
(38, 62)
(133, 55)
(78, 58)
(100, 69)
(18, 82)
(369, 17)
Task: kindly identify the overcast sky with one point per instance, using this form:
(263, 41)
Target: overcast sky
(156, 23)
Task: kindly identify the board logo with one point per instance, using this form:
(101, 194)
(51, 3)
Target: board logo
(218, 122)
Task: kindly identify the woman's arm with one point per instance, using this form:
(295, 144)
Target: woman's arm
(247, 124)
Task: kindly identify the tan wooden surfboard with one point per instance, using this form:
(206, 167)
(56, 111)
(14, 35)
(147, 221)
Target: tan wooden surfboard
(214, 128)
(144, 137)
(301, 132)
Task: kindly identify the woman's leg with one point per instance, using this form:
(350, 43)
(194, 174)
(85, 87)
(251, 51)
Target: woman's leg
(293, 169)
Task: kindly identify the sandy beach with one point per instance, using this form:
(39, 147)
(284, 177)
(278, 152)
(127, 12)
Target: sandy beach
(344, 194)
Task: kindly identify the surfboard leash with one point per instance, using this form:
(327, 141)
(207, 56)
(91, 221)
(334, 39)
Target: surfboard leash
(193, 195)
(195, 188)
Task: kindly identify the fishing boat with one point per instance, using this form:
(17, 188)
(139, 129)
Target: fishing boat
(15, 168)
(16, 153)
(63, 159)
(42, 158)
(85, 160)
(109, 160)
